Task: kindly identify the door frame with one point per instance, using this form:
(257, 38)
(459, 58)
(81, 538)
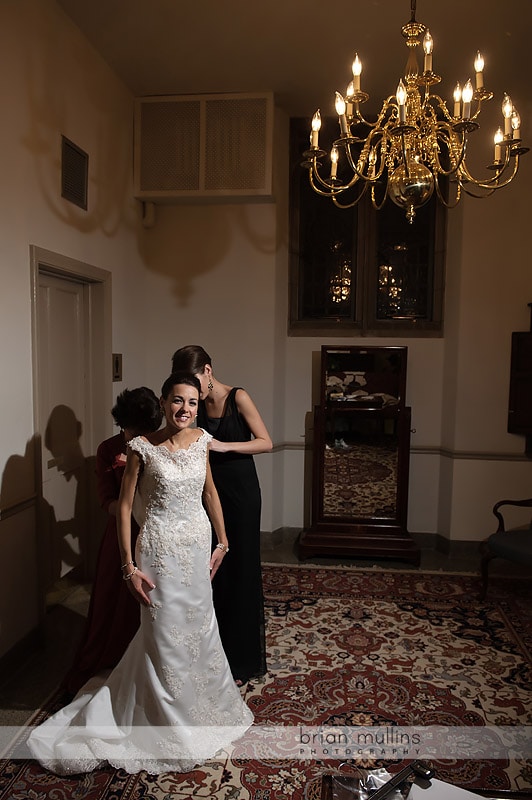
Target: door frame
(97, 285)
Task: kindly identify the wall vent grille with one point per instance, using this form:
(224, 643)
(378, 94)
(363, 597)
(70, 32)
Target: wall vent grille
(74, 173)
(203, 146)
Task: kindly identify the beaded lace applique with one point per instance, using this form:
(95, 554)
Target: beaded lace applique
(171, 485)
(189, 640)
(154, 608)
(173, 681)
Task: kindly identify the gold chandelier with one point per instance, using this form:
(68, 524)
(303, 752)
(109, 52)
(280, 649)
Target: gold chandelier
(415, 146)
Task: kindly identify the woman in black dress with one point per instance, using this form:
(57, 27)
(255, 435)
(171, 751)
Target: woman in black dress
(230, 415)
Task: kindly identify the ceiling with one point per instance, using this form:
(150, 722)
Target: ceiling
(302, 49)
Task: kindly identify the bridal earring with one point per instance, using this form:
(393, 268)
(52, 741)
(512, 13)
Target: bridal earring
(210, 385)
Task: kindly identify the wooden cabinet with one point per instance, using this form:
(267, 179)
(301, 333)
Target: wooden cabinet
(361, 456)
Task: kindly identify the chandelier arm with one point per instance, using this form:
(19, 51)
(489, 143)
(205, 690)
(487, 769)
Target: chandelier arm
(329, 188)
(446, 173)
(435, 100)
(446, 135)
(464, 173)
(441, 197)
(388, 105)
(492, 183)
(353, 164)
(379, 172)
(362, 159)
(376, 205)
(313, 174)
(332, 190)
(354, 202)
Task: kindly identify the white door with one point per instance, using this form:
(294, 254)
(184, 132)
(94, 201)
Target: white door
(63, 422)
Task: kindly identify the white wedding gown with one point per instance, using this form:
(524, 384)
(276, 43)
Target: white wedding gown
(171, 703)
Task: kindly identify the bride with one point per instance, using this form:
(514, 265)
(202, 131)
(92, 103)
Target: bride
(171, 703)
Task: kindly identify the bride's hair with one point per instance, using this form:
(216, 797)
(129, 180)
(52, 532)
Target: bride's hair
(179, 377)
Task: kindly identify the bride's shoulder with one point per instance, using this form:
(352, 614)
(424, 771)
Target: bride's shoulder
(138, 445)
(201, 433)
(142, 442)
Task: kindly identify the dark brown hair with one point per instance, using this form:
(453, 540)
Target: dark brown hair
(137, 409)
(191, 358)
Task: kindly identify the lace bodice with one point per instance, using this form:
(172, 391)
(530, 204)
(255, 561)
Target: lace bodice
(170, 489)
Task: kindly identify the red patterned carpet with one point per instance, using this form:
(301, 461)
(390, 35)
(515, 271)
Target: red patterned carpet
(358, 650)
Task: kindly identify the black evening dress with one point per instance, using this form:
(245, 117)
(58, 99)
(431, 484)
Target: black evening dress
(237, 586)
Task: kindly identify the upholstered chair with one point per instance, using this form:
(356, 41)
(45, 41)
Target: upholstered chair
(514, 544)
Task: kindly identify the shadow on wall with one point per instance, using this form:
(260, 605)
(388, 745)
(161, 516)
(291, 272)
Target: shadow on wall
(187, 241)
(18, 479)
(68, 518)
(53, 64)
(67, 500)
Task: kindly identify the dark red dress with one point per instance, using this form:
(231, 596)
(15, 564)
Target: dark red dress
(114, 614)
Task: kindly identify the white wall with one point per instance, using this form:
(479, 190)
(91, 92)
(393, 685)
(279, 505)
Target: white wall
(218, 275)
(489, 286)
(52, 83)
(212, 282)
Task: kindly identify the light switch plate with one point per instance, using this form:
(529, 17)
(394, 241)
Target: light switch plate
(117, 366)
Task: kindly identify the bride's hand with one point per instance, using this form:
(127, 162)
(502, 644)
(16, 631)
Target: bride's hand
(216, 559)
(139, 585)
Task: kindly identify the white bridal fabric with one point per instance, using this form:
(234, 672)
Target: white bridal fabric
(171, 703)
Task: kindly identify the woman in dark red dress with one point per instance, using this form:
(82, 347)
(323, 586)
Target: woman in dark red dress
(113, 616)
(230, 415)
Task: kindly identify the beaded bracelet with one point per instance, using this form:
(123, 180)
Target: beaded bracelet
(129, 574)
(222, 547)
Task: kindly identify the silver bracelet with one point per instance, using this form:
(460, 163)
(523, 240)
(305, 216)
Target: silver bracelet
(222, 547)
(129, 574)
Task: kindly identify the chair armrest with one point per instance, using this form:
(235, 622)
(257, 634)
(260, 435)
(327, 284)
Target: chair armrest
(523, 503)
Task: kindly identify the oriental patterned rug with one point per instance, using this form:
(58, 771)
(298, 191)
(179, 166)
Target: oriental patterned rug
(352, 649)
(361, 479)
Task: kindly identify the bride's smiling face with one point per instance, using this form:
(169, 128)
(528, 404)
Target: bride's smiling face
(180, 407)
